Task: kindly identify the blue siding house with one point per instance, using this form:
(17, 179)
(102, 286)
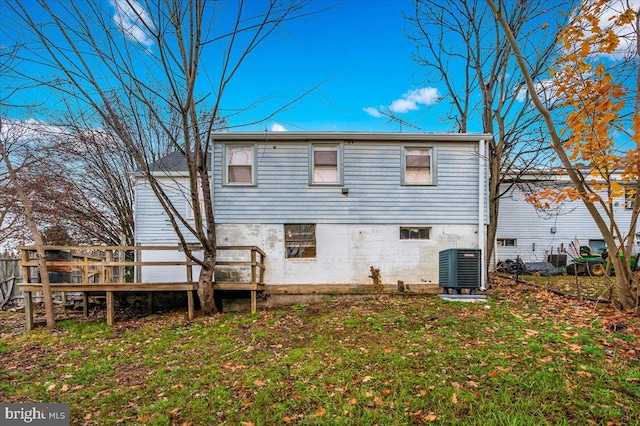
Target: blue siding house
(327, 206)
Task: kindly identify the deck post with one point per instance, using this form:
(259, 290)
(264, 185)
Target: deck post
(190, 304)
(110, 309)
(28, 311)
(254, 301)
(85, 304)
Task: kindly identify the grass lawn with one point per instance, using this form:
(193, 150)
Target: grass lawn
(525, 357)
(597, 287)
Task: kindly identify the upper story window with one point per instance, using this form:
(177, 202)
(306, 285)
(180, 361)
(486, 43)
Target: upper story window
(417, 165)
(240, 164)
(326, 164)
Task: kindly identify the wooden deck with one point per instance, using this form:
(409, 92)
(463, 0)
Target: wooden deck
(103, 271)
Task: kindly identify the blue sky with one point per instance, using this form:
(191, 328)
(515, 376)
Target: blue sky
(358, 53)
(355, 51)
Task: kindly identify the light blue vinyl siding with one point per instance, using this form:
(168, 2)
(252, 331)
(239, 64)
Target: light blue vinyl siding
(151, 222)
(372, 174)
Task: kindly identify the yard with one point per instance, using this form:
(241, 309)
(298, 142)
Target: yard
(579, 286)
(524, 357)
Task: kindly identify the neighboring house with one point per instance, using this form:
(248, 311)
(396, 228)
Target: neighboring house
(326, 206)
(533, 234)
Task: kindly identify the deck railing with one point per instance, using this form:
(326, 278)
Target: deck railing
(106, 269)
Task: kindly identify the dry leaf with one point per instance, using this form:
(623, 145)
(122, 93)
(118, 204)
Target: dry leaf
(456, 385)
(321, 412)
(287, 419)
(366, 379)
(386, 391)
(632, 380)
(583, 374)
(51, 387)
(87, 416)
(378, 400)
(259, 383)
(352, 401)
(64, 388)
(247, 424)
(174, 413)
(387, 350)
(423, 392)
(454, 399)
(431, 417)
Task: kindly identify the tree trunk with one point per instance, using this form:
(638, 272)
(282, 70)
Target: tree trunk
(37, 238)
(622, 283)
(205, 285)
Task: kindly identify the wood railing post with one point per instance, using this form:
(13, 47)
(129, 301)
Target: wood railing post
(108, 276)
(26, 271)
(253, 266)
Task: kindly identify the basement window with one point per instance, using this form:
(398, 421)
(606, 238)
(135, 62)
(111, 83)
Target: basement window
(507, 242)
(300, 241)
(415, 233)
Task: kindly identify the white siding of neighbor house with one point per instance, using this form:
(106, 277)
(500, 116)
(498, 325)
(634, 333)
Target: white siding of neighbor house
(354, 231)
(532, 228)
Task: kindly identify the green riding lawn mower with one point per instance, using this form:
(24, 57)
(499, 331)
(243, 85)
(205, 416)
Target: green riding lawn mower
(593, 264)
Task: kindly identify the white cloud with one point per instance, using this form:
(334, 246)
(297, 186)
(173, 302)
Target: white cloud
(275, 127)
(409, 101)
(403, 105)
(133, 21)
(372, 112)
(546, 89)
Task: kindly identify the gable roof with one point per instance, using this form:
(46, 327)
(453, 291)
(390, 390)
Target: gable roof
(172, 162)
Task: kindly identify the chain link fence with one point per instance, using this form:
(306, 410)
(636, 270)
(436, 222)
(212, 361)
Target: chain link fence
(557, 269)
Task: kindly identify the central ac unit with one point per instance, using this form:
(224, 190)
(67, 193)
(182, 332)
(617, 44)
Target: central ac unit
(459, 269)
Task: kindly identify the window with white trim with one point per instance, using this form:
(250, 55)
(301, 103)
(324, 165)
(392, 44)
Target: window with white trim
(300, 241)
(417, 165)
(326, 164)
(240, 164)
(415, 233)
(507, 242)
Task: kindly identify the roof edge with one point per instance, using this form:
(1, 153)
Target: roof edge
(360, 136)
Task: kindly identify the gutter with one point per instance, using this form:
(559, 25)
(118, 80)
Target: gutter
(481, 206)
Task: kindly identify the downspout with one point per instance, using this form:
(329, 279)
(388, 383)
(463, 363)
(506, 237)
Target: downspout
(481, 208)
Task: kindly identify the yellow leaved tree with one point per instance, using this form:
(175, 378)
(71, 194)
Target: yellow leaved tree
(596, 137)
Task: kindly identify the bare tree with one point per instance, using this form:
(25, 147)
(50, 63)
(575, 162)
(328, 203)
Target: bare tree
(459, 44)
(138, 69)
(19, 156)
